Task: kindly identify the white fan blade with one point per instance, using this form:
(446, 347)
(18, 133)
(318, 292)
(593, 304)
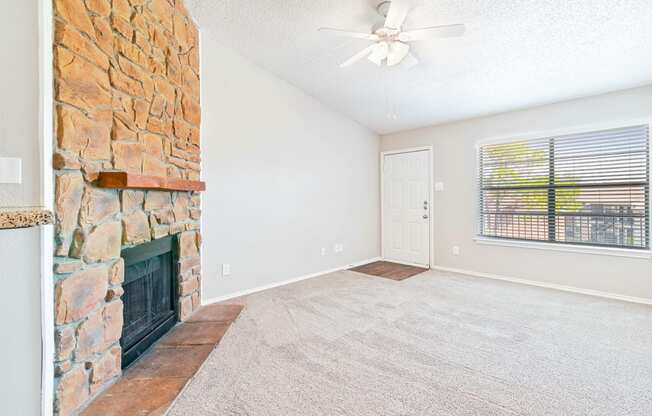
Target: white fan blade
(410, 61)
(398, 11)
(447, 31)
(360, 55)
(397, 52)
(380, 51)
(346, 33)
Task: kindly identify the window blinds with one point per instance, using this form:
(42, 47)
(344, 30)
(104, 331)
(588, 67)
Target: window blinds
(589, 188)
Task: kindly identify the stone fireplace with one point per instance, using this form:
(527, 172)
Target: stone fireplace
(126, 100)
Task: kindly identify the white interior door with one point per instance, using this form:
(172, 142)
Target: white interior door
(406, 207)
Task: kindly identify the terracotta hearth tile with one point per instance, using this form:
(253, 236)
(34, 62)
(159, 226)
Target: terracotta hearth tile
(152, 383)
(170, 362)
(199, 333)
(217, 313)
(151, 397)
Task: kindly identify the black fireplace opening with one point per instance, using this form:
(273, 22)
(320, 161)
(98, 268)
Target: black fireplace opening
(150, 304)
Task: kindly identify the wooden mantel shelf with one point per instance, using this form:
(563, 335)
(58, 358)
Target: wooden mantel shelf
(124, 180)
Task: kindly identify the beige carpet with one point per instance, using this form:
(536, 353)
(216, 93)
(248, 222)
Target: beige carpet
(435, 344)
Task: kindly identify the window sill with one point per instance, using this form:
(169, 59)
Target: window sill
(604, 251)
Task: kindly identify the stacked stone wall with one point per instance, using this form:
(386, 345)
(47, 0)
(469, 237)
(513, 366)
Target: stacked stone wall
(126, 99)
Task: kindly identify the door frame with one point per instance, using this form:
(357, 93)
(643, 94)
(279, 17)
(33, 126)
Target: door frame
(431, 228)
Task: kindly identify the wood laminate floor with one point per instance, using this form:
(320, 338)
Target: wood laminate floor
(388, 270)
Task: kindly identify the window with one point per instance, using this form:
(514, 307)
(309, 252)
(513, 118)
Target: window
(589, 189)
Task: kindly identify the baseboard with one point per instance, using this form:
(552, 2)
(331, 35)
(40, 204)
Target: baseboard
(285, 282)
(571, 289)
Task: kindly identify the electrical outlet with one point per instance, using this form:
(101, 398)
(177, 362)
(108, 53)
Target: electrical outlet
(323, 251)
(226, 270)
(456, 250)
(338, 248)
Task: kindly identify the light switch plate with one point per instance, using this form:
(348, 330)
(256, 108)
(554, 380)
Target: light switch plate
(11, 170)
(439, 186)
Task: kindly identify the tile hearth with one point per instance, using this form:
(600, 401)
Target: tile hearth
(152, 383)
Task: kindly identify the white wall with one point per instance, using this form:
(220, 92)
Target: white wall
(286, 176)
(19, 107)
(20, 349)
(456, 207)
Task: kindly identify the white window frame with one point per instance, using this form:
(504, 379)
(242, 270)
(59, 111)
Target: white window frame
(569, 248)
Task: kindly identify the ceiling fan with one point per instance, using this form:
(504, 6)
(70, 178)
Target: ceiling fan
(391, 43)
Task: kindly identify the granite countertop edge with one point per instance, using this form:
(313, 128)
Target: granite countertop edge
(24, 218)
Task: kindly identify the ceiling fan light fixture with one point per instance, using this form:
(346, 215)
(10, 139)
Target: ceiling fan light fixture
(391, 42)
(379, 53)
(397, 52)
(375, 59)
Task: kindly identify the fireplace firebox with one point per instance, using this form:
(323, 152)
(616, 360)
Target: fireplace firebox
(150, 304)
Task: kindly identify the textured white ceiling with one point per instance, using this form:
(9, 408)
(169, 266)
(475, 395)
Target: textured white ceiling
(516, 54)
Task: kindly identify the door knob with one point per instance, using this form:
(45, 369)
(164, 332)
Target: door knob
(425, 216)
